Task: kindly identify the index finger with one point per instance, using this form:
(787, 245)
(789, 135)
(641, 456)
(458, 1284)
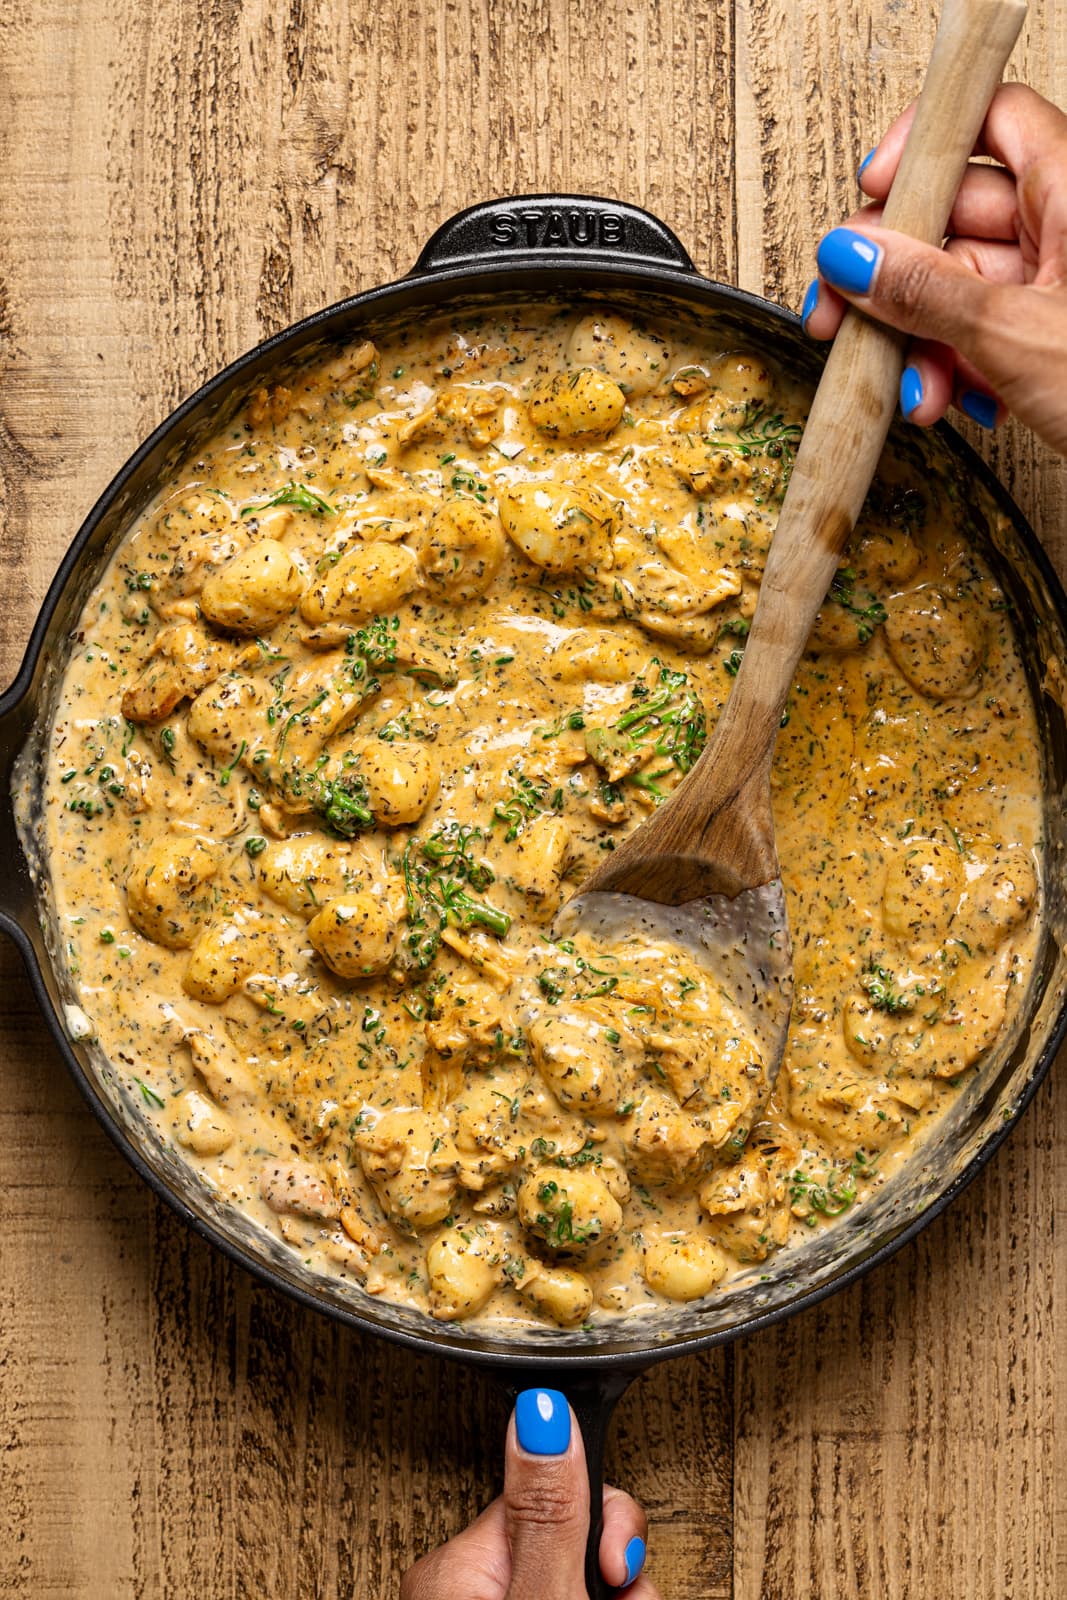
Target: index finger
(1020, 128)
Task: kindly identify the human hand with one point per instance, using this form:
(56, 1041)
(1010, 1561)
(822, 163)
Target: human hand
(988, 312)
(530, 1543)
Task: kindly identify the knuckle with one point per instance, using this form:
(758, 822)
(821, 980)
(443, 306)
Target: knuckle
(906, 286)
(547, 1501)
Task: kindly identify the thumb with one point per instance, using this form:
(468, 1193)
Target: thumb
(912, 286)
(546, 1499)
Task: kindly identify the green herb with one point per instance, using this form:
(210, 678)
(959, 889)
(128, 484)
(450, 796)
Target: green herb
(664, 719)
(842, 593)
(344, 805)
(528, 799)
(293, 494)
(881, 989)
(151, 1098)
(168, 740)
(255, 845)
(569, 721)
(835, 1194)
(227, 772)
(438, 872)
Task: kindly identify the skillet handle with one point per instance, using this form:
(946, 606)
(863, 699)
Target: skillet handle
(592, 1396)
(560, 227)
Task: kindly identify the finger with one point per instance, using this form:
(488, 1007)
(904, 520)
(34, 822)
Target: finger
(990, 258)
(475, 1563)
(1019, 129)
(546, 1499)
(879, 167)
(822, 310)
(986, 204)
(927, 383)
(623, 1542)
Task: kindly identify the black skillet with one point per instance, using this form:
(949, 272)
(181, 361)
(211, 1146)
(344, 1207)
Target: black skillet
(583, 249)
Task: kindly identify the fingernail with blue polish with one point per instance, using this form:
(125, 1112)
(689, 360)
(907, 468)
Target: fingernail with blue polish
(543, 1422)
(848, 260)
(911, 390)
(981, 408)
(811, 300)
(865, 163)
(634, 1556)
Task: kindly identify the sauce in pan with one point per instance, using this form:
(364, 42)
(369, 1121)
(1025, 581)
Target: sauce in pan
(367, 692)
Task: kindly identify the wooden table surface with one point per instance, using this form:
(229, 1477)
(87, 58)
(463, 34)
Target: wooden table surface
(179, 179)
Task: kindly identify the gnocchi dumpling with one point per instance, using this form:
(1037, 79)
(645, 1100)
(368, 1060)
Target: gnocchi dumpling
(560, 526)
(636, 361)
(683, 1266)
(168, 892)
(569, 1211)
(255, 591)
(464, 1266)
(576, 405)
(401, 776)
(561, 1293)
(357, 934)
(367, 581)
(936, 642)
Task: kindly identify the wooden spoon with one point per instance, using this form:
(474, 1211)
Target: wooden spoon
(710, 849)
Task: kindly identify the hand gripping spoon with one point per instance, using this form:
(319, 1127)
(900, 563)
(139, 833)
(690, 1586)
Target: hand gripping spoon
(708, 854)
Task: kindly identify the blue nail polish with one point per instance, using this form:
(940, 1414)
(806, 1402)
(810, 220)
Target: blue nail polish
(981, 408)
(811, 300)
(634, 1555)
(848, 260)
(865, 163)
(911, 390)
(543, 1422)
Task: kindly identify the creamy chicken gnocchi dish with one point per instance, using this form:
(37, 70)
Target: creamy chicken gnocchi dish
(371, 687)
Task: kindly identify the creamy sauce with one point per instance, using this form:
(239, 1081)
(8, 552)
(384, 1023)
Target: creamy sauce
(367, 693)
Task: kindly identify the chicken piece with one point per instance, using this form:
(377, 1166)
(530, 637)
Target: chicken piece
(461, 551)
(411, 1161)
(294, 1186)
(184, 659)
(168, 891)
(747, 1208)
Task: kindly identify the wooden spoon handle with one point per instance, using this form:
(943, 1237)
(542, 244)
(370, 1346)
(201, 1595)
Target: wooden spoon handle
(847, 427)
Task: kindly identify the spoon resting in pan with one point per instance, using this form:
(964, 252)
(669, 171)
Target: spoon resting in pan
(703, 870)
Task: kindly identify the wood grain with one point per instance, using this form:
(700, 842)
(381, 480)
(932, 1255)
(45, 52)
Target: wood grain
(181, 179)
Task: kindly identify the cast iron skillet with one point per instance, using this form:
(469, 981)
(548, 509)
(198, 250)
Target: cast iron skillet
(586, 249)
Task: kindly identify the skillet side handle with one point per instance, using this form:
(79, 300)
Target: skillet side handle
(539, 226)
(16, 888)
(592, 1396)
